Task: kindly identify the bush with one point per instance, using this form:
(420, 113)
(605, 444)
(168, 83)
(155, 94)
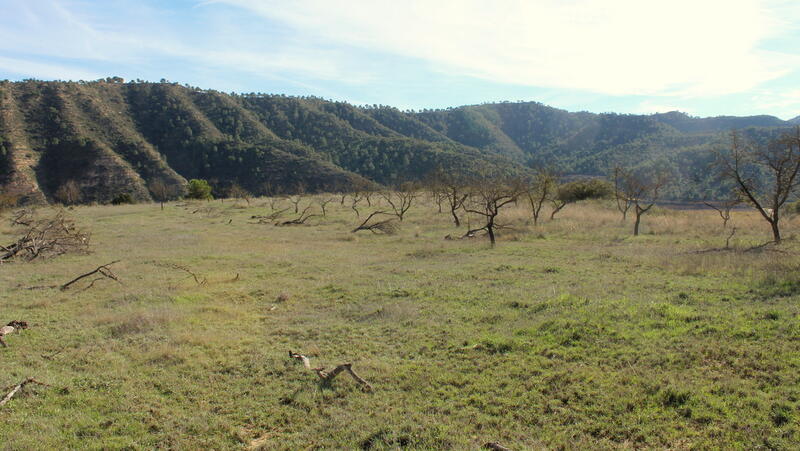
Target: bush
(198, 189)
(585, 189)
(122, 198)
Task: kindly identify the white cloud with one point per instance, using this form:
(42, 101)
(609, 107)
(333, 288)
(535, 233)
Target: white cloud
(618, 47)
(785, 104)
(32, 69)
(139, 34)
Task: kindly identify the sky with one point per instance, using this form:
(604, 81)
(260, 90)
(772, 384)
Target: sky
(702, 57)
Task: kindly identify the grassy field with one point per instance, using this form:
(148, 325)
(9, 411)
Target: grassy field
(571, 335)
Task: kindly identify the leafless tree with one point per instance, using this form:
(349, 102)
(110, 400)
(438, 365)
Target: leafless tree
(295, 200)
(274, 202)
(323, 203)
(452, 189)
(639, 189)
(538, 190)
(401, 199)
(161, 191)
(766, 176)
(69, 193)
(488, 198)
(237, 192)
(623, 202)
(724, 207)
(355, 198)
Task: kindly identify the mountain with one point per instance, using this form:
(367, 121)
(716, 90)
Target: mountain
(112, 137)
(794, 121)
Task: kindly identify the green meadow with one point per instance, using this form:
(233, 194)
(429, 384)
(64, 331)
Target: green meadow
(570, 335)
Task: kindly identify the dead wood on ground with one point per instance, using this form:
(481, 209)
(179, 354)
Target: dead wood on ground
(327, 376)
(103, 270)
(47, 237)
(387, 226)
(17, 388)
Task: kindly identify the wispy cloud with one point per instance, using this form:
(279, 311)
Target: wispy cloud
(616, 47)
(707, 56)
(26, 68)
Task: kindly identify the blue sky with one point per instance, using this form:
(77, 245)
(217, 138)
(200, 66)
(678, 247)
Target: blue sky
(704, 57)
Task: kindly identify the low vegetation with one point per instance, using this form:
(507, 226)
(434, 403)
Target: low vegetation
(570, 333)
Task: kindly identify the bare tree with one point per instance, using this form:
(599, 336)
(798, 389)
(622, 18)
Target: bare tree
(488, 197)
(724, 207)
(323, 203)
(161, 191)
(295, 200)
(355, 198)
(639, 189)
(539, 190)
(69, 193)
(401, 199)
(765, 176)
(454, 191)
(237, 192)
(623, 202)
(274, 202)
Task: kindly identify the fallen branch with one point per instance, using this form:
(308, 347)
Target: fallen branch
(18, 387)
(22, 217)
(103, 270)
(327, 377)
(304, 216)
(496, 446)
(188, 271)
(388, 226)
(47, 237)
(269, 218)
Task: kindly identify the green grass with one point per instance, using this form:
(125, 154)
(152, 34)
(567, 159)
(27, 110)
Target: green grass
(572, 335)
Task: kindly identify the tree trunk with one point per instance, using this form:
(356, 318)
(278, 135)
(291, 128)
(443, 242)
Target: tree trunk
(490, 231)
(455, 218)
(776, 231)
(636, 224)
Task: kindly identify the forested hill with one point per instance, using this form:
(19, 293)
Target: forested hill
(112, 137)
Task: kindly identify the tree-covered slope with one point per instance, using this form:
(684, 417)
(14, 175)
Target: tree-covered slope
(112, 137)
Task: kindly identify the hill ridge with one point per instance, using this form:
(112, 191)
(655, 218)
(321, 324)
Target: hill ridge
(112, 137)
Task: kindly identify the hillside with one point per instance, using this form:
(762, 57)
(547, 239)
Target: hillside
(112, 137)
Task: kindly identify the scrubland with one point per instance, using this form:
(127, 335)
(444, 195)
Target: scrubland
(573, 334)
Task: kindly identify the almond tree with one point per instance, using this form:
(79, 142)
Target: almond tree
(161, 191)
(640, 189)
(623, 203)
(539, 190)
(401, 199)
(766, 176)
(488, 197)
(454, 190)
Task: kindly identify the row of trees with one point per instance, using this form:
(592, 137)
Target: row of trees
(763, 176)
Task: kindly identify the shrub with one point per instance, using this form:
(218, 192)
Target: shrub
(122, 198)
(585, 189)
(8, 201)
(198, 189)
